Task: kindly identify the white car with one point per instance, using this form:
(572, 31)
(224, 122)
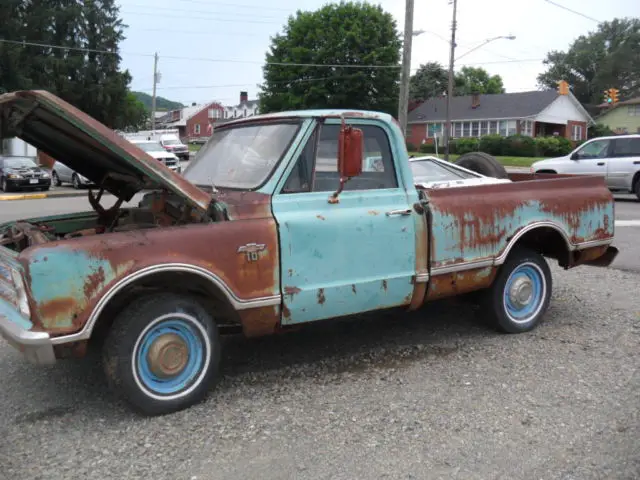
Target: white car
(432, 172)
(156, 150)
(615, 158)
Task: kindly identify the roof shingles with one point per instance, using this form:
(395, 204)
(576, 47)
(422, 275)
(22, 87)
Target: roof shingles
(492, 107)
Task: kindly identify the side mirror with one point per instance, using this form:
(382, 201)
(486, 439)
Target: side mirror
(574, 156)
(350, 156)
(350, 151)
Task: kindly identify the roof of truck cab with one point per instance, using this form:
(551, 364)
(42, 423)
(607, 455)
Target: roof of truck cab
(323, 113)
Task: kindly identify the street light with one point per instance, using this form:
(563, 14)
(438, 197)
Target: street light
(447, 125)
(506, 37)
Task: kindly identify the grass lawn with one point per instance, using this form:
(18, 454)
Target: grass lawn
(506, 161)
(194, 147)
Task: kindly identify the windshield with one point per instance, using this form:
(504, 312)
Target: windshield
(171, 141)
(432, 171)
(150, 146)
(19, 163)
(241, 157)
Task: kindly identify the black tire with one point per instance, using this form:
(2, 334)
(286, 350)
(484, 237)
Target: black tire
(482, 163)
(129, 370)
(4, 186)
(636, 190)
(55, 180)
(524, 264)
(75, 181)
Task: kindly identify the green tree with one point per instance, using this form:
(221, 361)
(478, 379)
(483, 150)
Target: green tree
(89, 80)
(347, 33)
(430, 80)
(477, 80)
(606, 58)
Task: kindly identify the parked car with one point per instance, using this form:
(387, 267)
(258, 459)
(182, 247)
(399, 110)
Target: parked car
(62, 174)
(154, 149)
(615, 158)
(22, 173)
(254, 239)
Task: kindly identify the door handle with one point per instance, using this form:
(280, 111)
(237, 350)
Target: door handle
(600, 164)
(399, 212)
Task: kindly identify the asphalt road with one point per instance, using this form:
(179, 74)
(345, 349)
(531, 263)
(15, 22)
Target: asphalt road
(434, 394)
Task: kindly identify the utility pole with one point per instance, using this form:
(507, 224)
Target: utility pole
(447, 125)
(403, 104)
(153, 98)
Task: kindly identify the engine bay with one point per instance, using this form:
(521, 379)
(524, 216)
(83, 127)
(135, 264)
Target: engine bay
(158, 208)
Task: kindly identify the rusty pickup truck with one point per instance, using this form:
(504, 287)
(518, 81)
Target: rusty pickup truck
(281, 219)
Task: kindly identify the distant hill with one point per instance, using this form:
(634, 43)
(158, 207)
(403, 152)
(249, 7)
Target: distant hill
(161, 102)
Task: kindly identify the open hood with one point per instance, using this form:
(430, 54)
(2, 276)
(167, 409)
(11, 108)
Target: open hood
(88, 147)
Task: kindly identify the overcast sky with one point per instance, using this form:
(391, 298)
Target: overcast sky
(211, 49)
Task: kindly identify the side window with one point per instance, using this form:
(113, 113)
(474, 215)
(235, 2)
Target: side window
(301, 176)
(597, 149)
(377, 168)
(626, 147)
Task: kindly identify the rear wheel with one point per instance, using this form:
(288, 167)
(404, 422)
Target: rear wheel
(636, 189)
(521, 292)
(482, 163)
(75, 181)
(55, 179)
(162, 353)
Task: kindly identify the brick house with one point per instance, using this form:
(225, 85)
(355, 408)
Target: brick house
(534, 113)
(194, 122)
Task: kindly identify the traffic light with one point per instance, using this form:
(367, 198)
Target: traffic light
(563, 88)
(607, 96)
(613, 95)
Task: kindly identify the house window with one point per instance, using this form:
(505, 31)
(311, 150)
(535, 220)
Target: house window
(576, 132)
(457, 130)
(633, 110)
(526, 128)
(493, 127)
(475, 129)
(502, 128)
(196, 129)
(434, 130)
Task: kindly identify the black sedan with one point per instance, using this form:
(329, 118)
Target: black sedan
(20, 173)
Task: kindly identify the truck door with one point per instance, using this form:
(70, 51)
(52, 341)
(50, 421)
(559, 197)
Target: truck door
(353, 256)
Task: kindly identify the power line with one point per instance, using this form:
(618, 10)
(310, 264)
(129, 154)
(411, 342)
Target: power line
(572, 11)
(207, 12)
(221, 60)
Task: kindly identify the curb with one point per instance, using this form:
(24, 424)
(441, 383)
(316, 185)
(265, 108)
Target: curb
(40, 196)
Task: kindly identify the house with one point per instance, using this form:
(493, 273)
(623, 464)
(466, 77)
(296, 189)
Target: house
(193, 122)
(622, 118)
(535, 113)
(246, 108)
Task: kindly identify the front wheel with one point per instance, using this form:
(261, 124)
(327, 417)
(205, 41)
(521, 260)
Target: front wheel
(162, 353)
(521, 292)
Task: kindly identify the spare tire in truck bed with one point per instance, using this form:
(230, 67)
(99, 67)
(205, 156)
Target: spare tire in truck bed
(482, 163)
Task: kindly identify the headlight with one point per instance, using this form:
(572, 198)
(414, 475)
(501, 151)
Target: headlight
(14, 175)
(21, 292)
(44, 175)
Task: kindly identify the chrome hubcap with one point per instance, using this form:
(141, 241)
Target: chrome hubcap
(521, 292)
(168, 355)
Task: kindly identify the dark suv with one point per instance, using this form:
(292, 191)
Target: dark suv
(19, 173)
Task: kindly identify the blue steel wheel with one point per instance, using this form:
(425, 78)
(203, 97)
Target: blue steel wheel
(162, 353)
(521, 292)
(171, 356)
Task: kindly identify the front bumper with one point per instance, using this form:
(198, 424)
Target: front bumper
(28, 182)
(36, 347)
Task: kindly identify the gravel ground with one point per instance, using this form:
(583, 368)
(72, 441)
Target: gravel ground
(429, 395)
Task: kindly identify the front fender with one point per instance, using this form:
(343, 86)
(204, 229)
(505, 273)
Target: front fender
(67, 279)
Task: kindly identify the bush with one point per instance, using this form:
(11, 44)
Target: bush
(427, 148)
(491, 144)
(519, 146)
(465, 145)
(411, 147)
(552, 146)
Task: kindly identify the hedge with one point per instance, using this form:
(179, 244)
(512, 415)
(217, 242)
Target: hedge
(512, 146)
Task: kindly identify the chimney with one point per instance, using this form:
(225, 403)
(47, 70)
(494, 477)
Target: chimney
(475, 100)
(193, 104)
(244, 97)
